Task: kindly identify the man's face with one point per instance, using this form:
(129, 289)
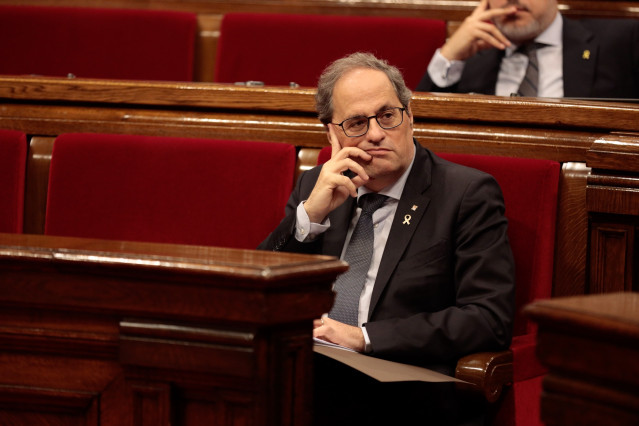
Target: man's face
(531, 19)
(366, 92)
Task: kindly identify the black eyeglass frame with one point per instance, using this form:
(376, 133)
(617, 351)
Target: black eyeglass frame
(368, 121)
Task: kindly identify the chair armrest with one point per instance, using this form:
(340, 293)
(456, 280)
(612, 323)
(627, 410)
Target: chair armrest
(486, 373)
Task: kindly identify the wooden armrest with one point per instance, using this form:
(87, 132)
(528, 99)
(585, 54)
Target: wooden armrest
(486, 372)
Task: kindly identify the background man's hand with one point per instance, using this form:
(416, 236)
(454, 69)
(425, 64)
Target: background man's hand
(476, 33)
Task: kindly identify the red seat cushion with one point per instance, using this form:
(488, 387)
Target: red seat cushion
(97, 43)
(530, 190)
(278, 49)
(13, 158)
(225, 193)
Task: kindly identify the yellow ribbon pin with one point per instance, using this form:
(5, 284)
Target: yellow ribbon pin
(586, 54)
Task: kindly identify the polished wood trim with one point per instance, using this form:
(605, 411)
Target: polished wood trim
(486, 372)
(434, 9)
(571, 242)
(254, 266)
(425, 106)
(36, 185)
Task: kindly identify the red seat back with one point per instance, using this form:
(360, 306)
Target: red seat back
(530, 189)
(278, 49)
(13, 160)
(97, 43)
(226, 193)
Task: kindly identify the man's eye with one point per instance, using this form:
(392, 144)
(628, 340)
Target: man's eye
(356, 123)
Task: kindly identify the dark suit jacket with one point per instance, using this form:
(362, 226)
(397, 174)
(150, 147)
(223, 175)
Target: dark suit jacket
(610, 70)
(445, 286)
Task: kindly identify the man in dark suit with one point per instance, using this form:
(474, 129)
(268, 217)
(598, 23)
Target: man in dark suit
(590, 58)
(440, 283)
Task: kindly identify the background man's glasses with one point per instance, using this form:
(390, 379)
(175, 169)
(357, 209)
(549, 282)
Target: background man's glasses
(358, 126)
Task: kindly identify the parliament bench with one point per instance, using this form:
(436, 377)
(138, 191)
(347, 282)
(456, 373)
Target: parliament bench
(597, 202)
(209, 16)
(168, 190)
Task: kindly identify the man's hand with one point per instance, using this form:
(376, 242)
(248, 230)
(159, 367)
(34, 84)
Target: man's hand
(339, 333)
(333, 187)
(476, 33)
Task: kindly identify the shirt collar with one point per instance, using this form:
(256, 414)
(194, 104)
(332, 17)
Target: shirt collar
(395, 190)
(551, 35)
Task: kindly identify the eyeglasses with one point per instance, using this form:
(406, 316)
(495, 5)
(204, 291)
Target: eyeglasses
(358, 126)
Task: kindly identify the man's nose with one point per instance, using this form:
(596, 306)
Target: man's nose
(375, 131)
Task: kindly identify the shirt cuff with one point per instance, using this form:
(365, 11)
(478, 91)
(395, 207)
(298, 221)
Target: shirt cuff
(305, 230)
(367, 341)
(443, 72)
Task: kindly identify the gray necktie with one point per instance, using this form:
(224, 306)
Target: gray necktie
(358, 255)
(530, 83)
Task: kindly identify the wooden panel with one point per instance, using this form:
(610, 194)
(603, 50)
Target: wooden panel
(610, 258)
(571, 243)
(590, 345)
(36, 185)
(116, 333)
(206, 47)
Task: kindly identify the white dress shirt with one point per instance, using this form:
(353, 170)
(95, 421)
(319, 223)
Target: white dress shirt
(445, 73)
(306, 231)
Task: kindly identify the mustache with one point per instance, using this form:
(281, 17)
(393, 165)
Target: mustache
(516, 3)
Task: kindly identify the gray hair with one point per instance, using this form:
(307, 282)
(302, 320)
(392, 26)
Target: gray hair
(336, 70)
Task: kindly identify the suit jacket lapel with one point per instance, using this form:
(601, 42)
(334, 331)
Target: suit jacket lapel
(411, 208)
(579, 58)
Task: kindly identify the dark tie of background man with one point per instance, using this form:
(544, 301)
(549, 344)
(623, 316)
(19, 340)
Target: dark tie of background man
(530, 83)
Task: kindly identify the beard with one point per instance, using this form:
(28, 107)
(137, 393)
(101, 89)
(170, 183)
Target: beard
(517, 33)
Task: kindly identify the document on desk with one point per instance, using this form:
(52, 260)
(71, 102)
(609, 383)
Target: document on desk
(380, 369)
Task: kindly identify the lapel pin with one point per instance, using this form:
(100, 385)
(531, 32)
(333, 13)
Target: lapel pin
(414, 207)
(586, 54)
(407, 219)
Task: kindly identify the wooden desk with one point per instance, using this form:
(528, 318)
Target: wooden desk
(99, 332)
(591, 346)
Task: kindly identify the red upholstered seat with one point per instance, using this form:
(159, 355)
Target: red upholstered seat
(530, 188)
(13, 160)
(226, 193)
(97, 43)
(278, 49)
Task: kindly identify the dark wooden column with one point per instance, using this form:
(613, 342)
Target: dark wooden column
(97, 332)
(612, 198)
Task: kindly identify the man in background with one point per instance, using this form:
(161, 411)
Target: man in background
(431, 274)
(491, 53)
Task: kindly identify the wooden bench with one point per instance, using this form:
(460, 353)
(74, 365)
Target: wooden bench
(595, 143)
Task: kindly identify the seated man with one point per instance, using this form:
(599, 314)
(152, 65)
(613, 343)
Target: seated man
(431, 275)
(491, 51)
